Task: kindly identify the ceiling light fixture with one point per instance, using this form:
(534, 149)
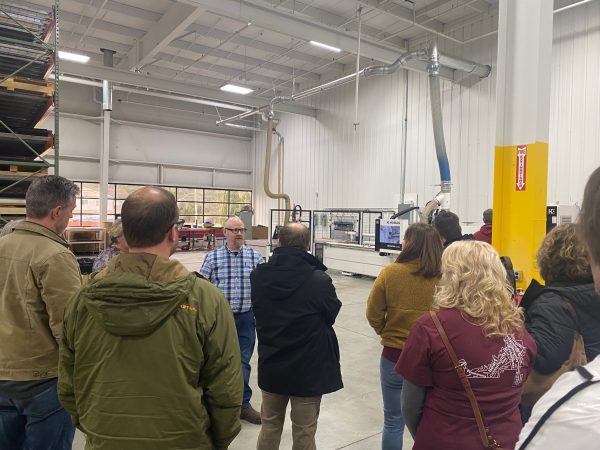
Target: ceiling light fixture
(325, 46)
(76, 57)
(572, 5)
(236, 89)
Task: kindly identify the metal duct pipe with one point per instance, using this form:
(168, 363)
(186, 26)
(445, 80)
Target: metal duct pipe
(152, 93)
(107, 89)
(442, 60)
(438, 125)
(107, 95)
(326, 86)
(277, 99)
(267, 174)
(280, 165)
(389, 69)
(464, 65)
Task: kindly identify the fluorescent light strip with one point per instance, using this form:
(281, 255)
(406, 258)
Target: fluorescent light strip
(76, 57)
(236, 89)
(325, 46)
(573, 5)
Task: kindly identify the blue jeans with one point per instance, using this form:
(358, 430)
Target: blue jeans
(37, 423)
(391, 390)
(246, 331)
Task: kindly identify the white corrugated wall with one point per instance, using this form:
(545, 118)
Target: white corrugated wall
(328, 164)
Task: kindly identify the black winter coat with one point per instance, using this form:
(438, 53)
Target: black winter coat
(295, 305)
(552, 324)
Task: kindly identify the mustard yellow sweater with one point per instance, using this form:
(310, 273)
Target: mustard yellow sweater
(398, 298)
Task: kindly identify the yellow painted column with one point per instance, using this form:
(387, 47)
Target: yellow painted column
(522, 129)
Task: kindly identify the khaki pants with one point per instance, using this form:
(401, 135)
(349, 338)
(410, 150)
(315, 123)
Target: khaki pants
(304, 415)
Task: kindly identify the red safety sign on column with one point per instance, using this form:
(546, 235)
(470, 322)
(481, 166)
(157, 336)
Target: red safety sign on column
(521, 179)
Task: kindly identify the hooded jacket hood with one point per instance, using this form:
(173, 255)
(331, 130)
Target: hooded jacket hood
(136, 293)
(285, 272)
(485, 230)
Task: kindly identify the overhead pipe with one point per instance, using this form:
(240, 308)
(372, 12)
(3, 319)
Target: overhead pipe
(153, 93)
(451, 62)
(107, 106)
(464, 65)
(280, 148)
(267, 174)
(392, 68)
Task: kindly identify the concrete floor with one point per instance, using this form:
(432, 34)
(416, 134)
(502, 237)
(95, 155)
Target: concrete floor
(350, 418)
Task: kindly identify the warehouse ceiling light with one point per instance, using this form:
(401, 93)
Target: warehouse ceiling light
(326, 47)
(236, 89)
(76, 57)
(573, 5)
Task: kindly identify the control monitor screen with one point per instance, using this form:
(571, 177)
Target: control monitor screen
(388, 235)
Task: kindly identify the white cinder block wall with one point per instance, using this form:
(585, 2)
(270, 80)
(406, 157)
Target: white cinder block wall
(328, 164)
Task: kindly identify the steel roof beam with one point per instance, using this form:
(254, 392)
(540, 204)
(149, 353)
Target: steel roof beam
(231, 72)
(336, 21)
(177, 18)
(102, 25)
(178, 87)
(123, 9)
(267, 17)
(260, 45)
(247, 60)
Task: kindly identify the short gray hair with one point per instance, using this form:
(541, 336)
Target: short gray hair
(115, 231)
(46, 193)
(487, 216)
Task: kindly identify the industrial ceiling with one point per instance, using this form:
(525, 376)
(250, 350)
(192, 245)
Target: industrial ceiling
(193, 47)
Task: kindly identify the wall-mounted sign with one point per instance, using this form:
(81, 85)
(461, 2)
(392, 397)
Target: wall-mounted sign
(521, 178)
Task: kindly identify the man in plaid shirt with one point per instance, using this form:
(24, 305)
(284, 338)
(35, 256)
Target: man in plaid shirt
(229, 269)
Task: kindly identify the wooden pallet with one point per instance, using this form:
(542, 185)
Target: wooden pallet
(9, 210)
(12, 201)
(26, 84)
(23, 171)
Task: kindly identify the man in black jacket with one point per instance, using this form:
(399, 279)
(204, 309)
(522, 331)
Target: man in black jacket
(295, 305)
(448, 225)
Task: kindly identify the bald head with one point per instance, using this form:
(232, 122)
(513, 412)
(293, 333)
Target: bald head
(234, 222)
(294, 235)
(147, 215)
(234, 233)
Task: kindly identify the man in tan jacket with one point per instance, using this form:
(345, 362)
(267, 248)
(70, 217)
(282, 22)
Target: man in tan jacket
(38, 275)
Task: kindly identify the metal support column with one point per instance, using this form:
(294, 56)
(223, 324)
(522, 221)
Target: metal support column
(522, 130)
(105, 150)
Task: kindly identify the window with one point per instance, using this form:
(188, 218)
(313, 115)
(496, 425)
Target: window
(195, 204)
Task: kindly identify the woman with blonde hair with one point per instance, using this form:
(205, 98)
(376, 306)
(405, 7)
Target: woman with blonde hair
(493, 352)
(401, 293)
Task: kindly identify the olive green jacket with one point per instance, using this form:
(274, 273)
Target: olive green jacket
(38, 275)
(150, 359)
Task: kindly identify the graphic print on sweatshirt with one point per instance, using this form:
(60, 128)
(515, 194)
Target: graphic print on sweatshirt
(510, 357)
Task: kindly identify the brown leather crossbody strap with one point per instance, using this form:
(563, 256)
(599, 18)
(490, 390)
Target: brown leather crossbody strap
(484, 431)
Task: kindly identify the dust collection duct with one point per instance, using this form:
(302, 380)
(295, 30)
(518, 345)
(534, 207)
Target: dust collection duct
(435, 61)
(267, 175)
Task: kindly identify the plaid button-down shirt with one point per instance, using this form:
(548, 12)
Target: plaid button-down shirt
(230, 272)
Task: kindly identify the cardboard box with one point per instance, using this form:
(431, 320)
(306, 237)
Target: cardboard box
(260, 232)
